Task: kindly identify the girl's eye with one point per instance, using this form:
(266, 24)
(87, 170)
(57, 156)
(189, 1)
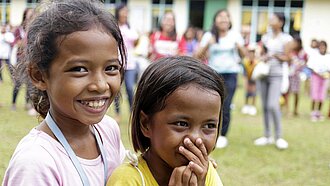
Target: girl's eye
(210, 126)
(78, 69)
(181, 124)
(112, 68)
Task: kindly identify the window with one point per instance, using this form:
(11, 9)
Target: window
(257, 12)
(32, 3)
(111, 4)
(4, 11)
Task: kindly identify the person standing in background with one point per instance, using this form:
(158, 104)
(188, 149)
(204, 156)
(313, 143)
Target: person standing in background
(166, 42)
(191, 40)
(319, 64)
(277, 44)
(20, 42)
(298, 58)
(225, 48)
(130, 37)
(249, 63)
(6, 39)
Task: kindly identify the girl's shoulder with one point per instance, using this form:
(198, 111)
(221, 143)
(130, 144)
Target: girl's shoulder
(138, 175)
(212, 177)
(36, 156)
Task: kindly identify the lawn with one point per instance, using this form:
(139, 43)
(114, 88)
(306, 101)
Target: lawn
(305, 162)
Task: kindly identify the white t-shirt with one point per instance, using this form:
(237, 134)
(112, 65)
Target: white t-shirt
(5, 40)
(319, 63)
(41, 160)
(275, 45)
(129, 36)
(223, 55)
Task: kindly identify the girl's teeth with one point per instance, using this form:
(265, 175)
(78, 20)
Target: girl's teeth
(94, 104)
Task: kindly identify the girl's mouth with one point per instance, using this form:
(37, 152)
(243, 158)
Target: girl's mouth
(94, 104)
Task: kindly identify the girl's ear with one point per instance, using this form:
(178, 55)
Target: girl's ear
(37, 77)
(145, 124)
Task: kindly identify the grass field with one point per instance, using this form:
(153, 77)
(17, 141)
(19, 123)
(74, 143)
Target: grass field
(305, 162)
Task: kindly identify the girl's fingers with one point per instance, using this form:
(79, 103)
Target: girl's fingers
(193, 152)
(197, 169)
(186, 176)
(193, 180)
(201, 146)
(190, 155)
(214, 163)
(176, 176)
(199, 172)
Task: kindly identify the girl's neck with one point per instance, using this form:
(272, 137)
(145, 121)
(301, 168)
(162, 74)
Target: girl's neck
(276, 32)
(159, 169)
(79, 136)
(223, 33)
(166, 33)
(121, 23)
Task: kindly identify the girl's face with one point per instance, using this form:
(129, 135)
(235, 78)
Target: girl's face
(168, 22)
(323, 49)
(123, 14)
(84, 77)
(190, 112)
(190, 33)
(275, 22)
(222, 21)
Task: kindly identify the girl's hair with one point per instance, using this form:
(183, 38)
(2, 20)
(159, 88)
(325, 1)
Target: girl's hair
(173, 34)
(214, 29)
(160, 80)
(280, 17)
(58, 19)
(298, 40)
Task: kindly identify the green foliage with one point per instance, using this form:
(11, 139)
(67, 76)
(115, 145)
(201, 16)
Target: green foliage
(305, 162)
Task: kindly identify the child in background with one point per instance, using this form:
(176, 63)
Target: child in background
(298, 60)
(319, 65)
(249, 63)
(6, 39)
(175, 123)
(76, 143)
(191, 41)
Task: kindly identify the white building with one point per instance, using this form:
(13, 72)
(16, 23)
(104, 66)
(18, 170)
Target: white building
(310, 18)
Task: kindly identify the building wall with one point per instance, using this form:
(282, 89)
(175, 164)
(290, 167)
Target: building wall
(315, 23)
(235, 9)
(140, 15)
(181, 11)
(211, 7)
(17, 8)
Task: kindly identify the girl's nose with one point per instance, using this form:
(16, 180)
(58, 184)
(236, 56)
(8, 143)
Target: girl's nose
(194, 135)
(99, 84)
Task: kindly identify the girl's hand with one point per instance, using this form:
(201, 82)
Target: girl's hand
(197, 155)
(183, 176)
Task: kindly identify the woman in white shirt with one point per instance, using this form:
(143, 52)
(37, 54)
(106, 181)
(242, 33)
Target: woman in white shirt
(224, 48)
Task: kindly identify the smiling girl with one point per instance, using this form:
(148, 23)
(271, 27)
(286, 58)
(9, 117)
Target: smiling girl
(175, 123)
(75, 58)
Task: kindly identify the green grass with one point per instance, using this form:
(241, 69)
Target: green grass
(305, 162)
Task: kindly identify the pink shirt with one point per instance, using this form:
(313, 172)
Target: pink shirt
(129, 36)
(41, 160)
